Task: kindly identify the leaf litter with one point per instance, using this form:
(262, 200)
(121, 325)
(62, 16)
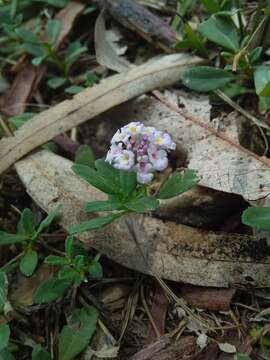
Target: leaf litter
(183, 253)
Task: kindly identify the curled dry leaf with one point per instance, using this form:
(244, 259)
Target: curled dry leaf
(91, 102)
(173, 251)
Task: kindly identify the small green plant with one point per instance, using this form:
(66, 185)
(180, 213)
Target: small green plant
(241, 49)
(125, 174)
(27, 235)
(75, 266)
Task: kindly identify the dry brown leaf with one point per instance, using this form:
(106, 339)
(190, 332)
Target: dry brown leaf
(207, 298)
(220, 161)
(91, 102)
(173, 251)
(105, 52)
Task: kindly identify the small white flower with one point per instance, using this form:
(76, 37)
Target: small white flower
(141, 148)
(145, 172)
(124, 160)
(120, 136)
(133, 128)
(158, 158)
(163, 140)
(144, 178)
(114, 151)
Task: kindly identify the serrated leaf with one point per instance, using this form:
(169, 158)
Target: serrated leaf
(39, 353)
(128, 182)
(262, 80)
(50, 291)
(56, 260)
(76, 336)
(143, 204)
(4, 336)
(28, 262)
(96, 179)
(107, 205)
(222, 31)
(48, 220)
(206, 78)
(257, 217)
(84, 156)
(178, 184)
(8, 239)
(95, 270)
(3, 290)
(93, 224)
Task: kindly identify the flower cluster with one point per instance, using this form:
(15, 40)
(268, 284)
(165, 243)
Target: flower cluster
(140, 148)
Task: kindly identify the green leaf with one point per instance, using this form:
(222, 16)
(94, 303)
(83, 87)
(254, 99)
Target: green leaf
(96, 179)
(211, 5)
(255, 54)
(3, 290)
(28, 262)
(56, 260)
(103, 206)
(84, 156)
(53, 28)
(71, 275)
(74, 89)
(178, 184)
(194, 41)
(4, 336)
(257, 217)
(109, 172)
(56, 82)
(48, 220)
(39, 353)
(95, 269)
(221, 31)
(57, 3)
(69, 244)
(73, 52)
(93, 224)
(240, 356)
(143, 204)
(206, 78)
(38, 60)
(16, 121)
(8, 239)
(76, 336)
(27, 35)
(26, 223)
(5, 354)
(128, 182)
(91, 79)
(50, 291)
(264, 104)
(262, 80)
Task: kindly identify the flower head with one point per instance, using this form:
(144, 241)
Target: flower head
(140, 148)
